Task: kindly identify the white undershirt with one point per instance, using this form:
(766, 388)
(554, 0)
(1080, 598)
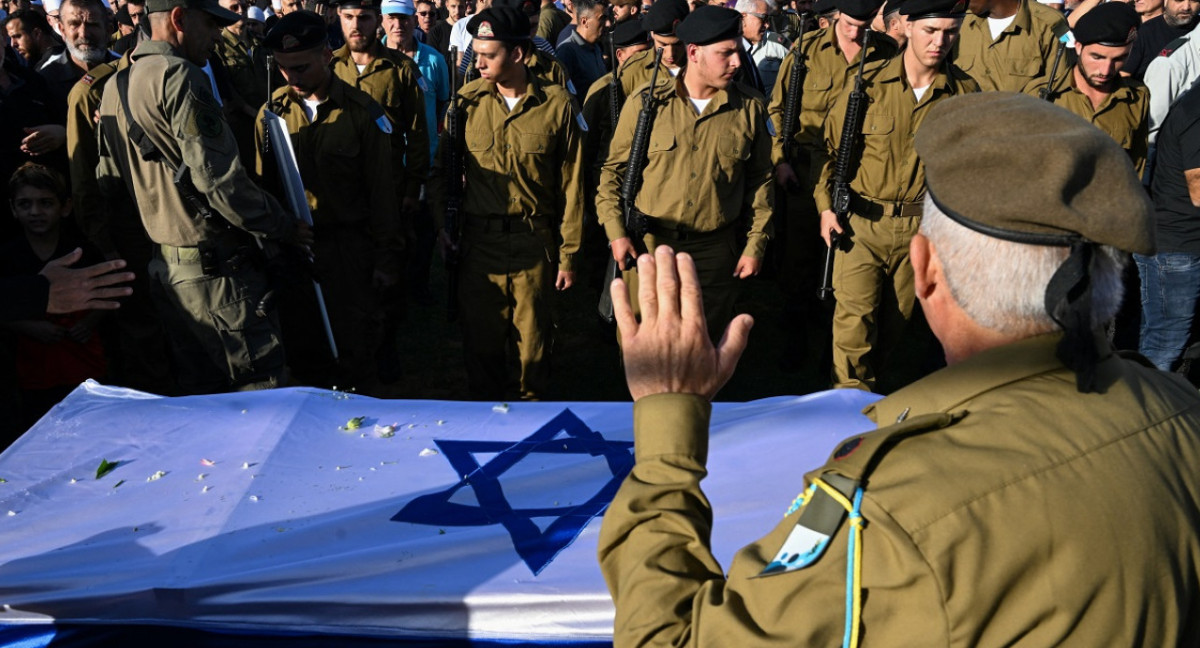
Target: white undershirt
(920, 92)
(511, 101)
(361, 68)
(674, 71)
(998, 25)
(310, 108)
(699, 104)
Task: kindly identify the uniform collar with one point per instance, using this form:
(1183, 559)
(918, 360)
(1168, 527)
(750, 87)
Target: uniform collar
(383, 57)
(893, 71)
(1125, 91)
(949, 388)
(535, 92)
(152, 48)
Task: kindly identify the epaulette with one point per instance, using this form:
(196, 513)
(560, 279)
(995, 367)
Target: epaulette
(857, 456)
(1170, 48)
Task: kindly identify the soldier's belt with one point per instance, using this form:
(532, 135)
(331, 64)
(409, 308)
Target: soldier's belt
(505, 223)
(872, 209)
(676, 232)
(213, 260)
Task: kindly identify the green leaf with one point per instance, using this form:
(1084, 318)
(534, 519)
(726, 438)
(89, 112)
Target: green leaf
(355, 423)
(118, 483)
(106, 467)
(3, 480)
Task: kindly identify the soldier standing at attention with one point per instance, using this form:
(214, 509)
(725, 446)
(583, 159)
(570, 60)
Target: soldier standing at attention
(660, 21)
(1097, 91)
(873, 278)
(337, 134)
(708, 168)
(972, 516)
(522, 209)
(1009, 44)
(158, 116)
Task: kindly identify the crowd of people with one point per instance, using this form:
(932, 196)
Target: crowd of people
(538, 147)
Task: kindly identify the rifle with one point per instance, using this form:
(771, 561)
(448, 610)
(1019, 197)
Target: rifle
(274, 130)
(1044, 93)
(636, 223)
(842, 168)
(455, 187)
(614, 86)
(791, 104)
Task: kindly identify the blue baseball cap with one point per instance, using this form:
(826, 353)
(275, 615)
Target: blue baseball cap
(402, 7)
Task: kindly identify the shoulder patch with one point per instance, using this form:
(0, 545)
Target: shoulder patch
(207, 122)
(581, 122)
(770, 127)
(87, 79)
(857, 456)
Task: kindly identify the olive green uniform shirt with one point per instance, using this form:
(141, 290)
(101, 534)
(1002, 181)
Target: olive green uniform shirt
(87, 200)
(247, 70)
(1004, 508)
(525, 163)
(1124, 114)
(345, 161)
(391, 80)
(597, 114)
(1021, 57)
(889, 170)
(169, 98)
(829, 74)
(638, 70)
(551, 21)
(703, 172)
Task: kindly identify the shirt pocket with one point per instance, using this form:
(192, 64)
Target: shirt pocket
(732, 150)
(878, 124)
(1025, 67)
(532, 143)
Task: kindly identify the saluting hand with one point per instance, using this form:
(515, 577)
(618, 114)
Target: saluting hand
(669, 351)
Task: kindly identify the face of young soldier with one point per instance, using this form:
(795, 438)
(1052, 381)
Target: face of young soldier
(359, 27)
(931, 39)
(306, 73)
(674, 53)
(1100, 65)
(496, 63)
(714, 64)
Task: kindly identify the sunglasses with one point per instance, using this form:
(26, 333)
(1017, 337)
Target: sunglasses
(425, 14)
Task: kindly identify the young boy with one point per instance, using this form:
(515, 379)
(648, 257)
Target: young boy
(54, 354)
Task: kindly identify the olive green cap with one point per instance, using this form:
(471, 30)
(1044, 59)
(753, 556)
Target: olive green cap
(1016, 168)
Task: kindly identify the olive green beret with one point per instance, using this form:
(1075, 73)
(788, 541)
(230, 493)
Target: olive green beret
(1016, 168)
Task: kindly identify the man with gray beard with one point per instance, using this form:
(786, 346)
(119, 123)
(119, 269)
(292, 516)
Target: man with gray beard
(1178, 18)
(85, 29)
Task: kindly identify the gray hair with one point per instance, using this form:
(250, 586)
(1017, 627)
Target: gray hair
(1001, 285)
(751, 6)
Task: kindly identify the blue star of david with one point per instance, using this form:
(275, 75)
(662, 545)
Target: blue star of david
(536, 548)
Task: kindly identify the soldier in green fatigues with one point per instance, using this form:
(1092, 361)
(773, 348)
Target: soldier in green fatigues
(1009, 45)
(1096, 90)
(522, 210)
(113, 226)
(971, 516)
(339, 137)
(207, 284)
(245, 63)
(831, 55)
(872, 277)
(708, 167)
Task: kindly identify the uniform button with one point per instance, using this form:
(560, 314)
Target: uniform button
(695, 148)
(689, 203)
(693, 175)
(512, 200)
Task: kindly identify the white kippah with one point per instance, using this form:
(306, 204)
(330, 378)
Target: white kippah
(51, 6)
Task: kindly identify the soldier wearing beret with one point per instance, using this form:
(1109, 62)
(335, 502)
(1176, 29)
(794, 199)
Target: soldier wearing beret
(522, 209)
(832, 55)
(157, 116)
(872, 276)
(707, 179)
(1096, 90)
(1009, 44)
(340, 138)
(245, 62)
(973, 515)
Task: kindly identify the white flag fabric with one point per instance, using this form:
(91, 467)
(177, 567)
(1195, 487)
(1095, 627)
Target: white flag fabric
(310, 511)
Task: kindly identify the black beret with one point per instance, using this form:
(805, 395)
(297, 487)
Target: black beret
(499, 23)
(858, 9)
(892, 6)
(630, 32)
(918, 9)
(664, 15)
(1112, 23)
(358, 4)
(297, 32)
(709, 24)
(822, 7)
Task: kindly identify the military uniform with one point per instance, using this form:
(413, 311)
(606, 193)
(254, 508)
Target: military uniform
(983, 520)
(355, 232)
(703, 174)
(1124, 114)
(391, 80)
(551, 22)
(111, 223)
(523, 213)
(1021, 57)
(872, 278)
(246, 68)
(639, 69)
(207, 286)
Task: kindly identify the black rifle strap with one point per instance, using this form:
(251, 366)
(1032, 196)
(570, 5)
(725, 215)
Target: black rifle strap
(145, 147)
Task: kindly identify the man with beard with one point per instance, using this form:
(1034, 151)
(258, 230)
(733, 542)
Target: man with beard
(872, 274)
(31, 35)
(1177, 19)
(337, 135)
(1096, 91)
(159, 116)
(85, 30)
(708, 165)
(522, 211)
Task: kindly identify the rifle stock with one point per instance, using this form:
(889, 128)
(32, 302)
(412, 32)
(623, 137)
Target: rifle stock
(843, 169)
